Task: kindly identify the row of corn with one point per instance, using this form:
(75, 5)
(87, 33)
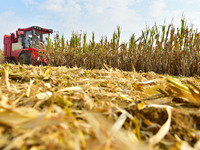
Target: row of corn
(164, 49)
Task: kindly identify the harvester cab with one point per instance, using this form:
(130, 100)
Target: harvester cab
(27, 46)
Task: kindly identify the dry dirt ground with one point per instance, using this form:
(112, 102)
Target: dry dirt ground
(43, 107)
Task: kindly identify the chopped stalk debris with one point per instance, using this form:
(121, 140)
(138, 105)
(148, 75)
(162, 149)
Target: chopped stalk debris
(44, 107)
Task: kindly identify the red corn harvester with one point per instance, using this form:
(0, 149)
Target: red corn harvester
(25, 46)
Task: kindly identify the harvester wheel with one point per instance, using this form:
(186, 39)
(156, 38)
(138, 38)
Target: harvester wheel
(24, 59)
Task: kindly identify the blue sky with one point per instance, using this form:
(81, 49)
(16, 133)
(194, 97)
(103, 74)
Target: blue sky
(99, 16)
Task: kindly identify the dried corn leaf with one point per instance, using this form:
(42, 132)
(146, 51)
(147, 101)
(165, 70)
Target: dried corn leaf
(183, 91)
(44, 96)
(47, 72)
(108, 134)
(163, 130)
(125, 97)
(76, 89)
(29, 88)
(15, 117)
(118, 124)
(146, 82)
(177, 83)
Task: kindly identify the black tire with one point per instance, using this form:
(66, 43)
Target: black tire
(24, 59)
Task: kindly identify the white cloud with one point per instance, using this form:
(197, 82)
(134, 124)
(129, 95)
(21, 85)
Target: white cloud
(113, 13)
(193, 18)
(99, 16)
(192, 2)
(9, 24)
(157, 8)
(55, 5)
(31, 2)
(161, 14)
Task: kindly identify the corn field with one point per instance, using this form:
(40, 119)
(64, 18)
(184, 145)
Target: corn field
(165, 50)
(1, 56)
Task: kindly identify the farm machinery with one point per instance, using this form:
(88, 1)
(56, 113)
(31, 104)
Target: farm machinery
(25, 47)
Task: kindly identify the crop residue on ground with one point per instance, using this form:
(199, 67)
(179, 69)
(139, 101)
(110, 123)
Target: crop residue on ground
(47, 107)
